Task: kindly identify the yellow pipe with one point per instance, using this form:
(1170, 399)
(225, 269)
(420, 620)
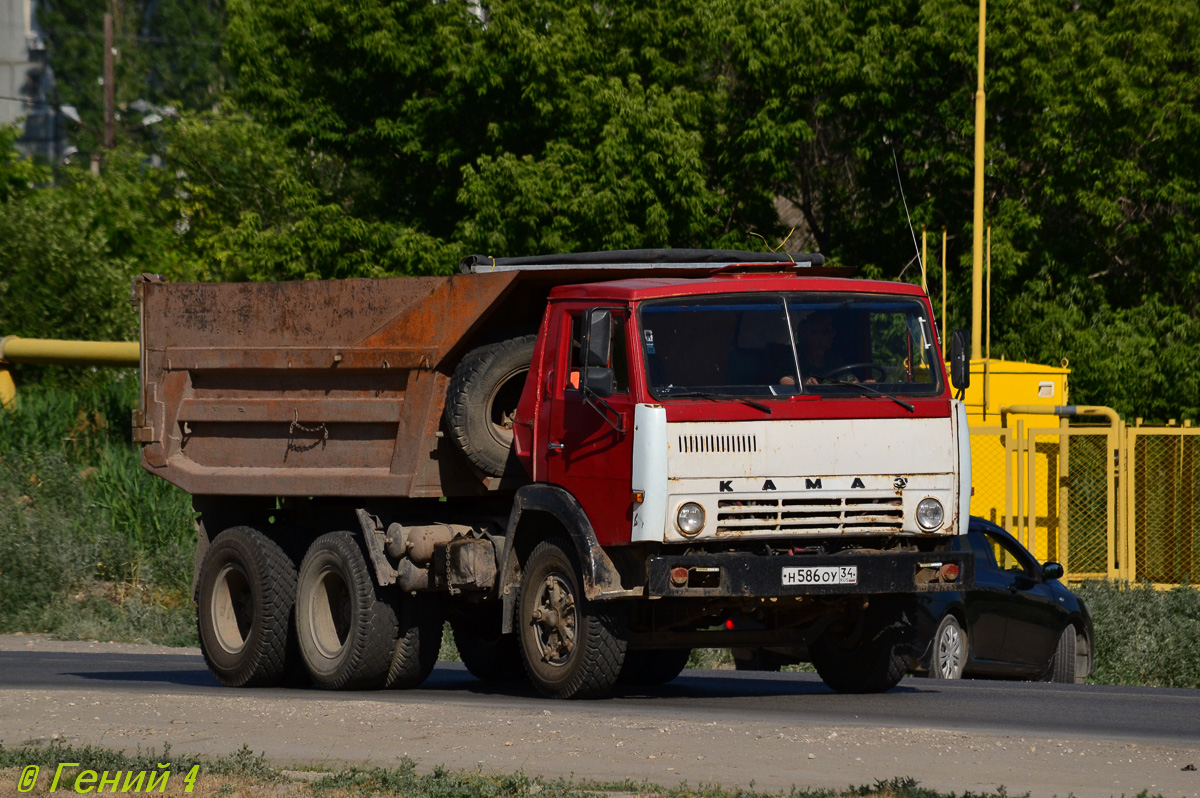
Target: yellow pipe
(1060, 410)
(924, 282)
(945, 351)
(977, 232)
(987, 361)
(44, 352)
(8, 388)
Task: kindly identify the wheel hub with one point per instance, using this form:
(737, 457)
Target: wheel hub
(556, 619)
(950, 651)
(329, 613)
(232, 608)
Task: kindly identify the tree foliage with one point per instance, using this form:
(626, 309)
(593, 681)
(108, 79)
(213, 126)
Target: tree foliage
(18, 175)
(167, 51)
(379, 137)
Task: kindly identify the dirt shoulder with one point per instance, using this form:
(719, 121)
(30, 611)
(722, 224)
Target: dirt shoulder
(304, 730)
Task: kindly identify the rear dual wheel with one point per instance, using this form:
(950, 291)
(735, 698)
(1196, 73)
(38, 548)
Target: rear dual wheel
(354, 634)
(244, 599)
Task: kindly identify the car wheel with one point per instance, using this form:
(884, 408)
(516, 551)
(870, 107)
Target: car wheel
(949, 656)
(1083, 658)
(1062, 666)
(572, 647)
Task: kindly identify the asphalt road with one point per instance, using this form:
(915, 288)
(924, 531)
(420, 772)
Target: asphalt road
(1156, 715)
(776, 730)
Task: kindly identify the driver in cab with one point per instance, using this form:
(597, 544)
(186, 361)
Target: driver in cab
(819, 358)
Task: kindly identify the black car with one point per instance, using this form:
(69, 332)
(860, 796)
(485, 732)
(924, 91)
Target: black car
(1018, 621)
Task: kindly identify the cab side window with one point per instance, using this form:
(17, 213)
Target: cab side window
(620, 357)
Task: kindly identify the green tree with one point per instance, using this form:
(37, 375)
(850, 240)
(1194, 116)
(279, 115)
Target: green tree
(244, 206)
(517, 125)
(168, 52)
(68, 254)
(18, 175)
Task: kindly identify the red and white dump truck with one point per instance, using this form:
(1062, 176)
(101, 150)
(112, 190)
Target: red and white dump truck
(589, 464)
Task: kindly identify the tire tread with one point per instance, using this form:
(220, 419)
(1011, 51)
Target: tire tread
(462, 401)
(373, 640)
(604, 645)
(267, 662)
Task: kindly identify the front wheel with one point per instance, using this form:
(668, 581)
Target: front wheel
(949, 656)
(650, 668)
(757, 659)
(572, 647)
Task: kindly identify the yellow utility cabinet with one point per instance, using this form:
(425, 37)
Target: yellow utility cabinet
(1016, 468)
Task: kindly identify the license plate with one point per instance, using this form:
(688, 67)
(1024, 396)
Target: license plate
(821, 575)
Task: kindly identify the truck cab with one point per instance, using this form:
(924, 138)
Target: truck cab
(773, 407)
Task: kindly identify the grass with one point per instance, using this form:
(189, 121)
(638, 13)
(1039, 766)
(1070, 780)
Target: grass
(93, 547)
(244, 773)
(1145, 636)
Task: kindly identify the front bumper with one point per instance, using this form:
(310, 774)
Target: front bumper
(756, 575)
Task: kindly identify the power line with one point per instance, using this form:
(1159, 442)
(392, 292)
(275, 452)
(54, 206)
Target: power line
(27, 100)
(148, 39)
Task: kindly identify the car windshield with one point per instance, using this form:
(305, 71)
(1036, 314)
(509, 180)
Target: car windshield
(762, 345)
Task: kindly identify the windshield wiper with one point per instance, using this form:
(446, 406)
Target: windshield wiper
(868, 389)
(666, 391)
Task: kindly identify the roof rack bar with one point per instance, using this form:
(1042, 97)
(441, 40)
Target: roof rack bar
(639, 260)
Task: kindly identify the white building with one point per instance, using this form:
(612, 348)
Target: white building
(26, 80)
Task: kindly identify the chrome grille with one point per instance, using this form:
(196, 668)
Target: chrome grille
(717, 444)
(817, 514)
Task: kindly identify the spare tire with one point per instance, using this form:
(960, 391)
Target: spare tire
(484, 391)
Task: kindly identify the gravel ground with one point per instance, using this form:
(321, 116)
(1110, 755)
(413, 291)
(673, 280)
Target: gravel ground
(303, 730)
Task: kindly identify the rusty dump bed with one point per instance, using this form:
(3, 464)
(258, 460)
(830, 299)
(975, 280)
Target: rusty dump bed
(330, 388)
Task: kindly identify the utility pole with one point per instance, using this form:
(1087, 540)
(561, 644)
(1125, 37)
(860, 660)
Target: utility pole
(109, 85)
(977, 231)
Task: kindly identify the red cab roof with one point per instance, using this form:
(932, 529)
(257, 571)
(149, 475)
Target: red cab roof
(643, 288)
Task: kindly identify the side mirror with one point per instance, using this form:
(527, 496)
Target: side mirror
(960, 361)
(599, 337)
(1052, 570)
(599, 381)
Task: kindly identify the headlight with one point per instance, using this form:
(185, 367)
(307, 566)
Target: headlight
(690, 519)
(930, 514)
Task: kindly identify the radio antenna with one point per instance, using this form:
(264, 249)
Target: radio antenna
(900, 183)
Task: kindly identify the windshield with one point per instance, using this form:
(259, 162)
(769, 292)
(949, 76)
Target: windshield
(786, 344)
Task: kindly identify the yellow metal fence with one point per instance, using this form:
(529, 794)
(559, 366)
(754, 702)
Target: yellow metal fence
(1104, 499)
